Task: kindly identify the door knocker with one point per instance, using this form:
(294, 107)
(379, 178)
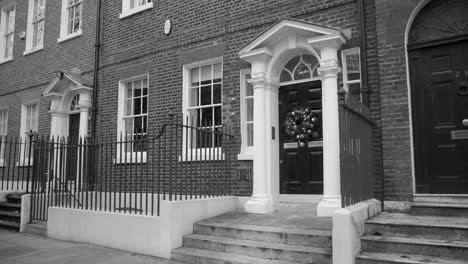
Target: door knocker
(463, 88)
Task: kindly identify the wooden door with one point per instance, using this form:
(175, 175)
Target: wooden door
(301, 168)
(72, 151)
(439, 76)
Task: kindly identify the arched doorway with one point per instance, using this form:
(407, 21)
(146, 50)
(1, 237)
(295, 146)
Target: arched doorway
(438, 52)
(300, 131)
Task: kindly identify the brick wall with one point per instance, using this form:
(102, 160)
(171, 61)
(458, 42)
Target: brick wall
(139, 39)
(392, 18)
(27, 76)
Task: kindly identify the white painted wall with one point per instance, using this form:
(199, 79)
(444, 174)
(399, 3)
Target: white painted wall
(25, 211)
(348, 227)
(150, 235)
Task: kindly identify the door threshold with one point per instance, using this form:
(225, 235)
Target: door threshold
(441, 198)
(300, 198)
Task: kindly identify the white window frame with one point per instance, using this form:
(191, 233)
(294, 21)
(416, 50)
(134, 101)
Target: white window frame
(127, 11)
(198, 154)
(3, 25)
(31, 30)
(24, 108)
(247, 152)
(3, 144)
(346, 82)
(123, 156)
(64, 35)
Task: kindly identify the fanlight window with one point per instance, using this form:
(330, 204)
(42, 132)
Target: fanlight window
(301, 67)
(74, 103)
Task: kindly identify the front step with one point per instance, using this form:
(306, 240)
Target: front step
(10, 211)
(233, 238)
(265, 250)
(408, 245)
(382, 258)
(403, 225)
(200, 256)
(291, 236)
(438, 209)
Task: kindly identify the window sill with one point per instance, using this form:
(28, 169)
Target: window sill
(245, 156)
(134, 158)
(136, 10)
(70, 36)
(31, 51)
(5, 60)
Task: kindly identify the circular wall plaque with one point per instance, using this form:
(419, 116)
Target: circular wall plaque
(167, 27)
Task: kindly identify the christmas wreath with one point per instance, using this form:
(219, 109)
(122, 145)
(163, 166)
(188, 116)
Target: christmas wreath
(302, 125)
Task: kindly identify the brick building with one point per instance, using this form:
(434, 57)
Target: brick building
(335, 101)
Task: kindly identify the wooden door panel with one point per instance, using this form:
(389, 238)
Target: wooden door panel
(438, 110)
(301, 169)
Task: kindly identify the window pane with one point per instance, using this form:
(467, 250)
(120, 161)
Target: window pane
(128, 107)
(206, 73)
(137, 87)
(205, 95)
(353, 67)
(137, 106)
(145, 105)
(302, 72)
(285, 76)
(207, 117)
(249, 135)
(193, 97)
(218, 117)
(250, 106)
(128, 124)
(195, 76)
(292, 63)
(310, 60)
(217, 74)
(217, 94)
(248, 86)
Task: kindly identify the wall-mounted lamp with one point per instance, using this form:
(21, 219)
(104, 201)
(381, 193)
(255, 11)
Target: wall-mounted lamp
(60, 74)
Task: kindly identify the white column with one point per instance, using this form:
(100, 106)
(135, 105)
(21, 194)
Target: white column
(265, 171)
(85, 106)
(329, 70)
(57, 117)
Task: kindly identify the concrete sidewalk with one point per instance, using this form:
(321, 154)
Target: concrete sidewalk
(16, 248)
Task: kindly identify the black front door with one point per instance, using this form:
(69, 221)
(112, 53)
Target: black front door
(72, 150)
(439, 77)
(301, 167)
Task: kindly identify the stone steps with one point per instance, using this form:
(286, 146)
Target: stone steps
(403, 225)
(227, 242)
(440, 209)
(305, 237)
(10, 212)
(416, 238)
(200, 256)
(408, 245)
(382, 258)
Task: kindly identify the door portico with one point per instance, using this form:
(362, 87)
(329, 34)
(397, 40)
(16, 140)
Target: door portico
(267, 55)
(63, 90)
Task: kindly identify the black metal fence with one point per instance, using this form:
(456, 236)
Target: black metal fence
(15, 163)
(356, 146)
(125, 173)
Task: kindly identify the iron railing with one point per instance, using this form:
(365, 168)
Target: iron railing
(132, 173)
(356, 143)
(15, 163)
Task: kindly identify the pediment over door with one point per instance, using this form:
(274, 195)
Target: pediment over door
(65, 82)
